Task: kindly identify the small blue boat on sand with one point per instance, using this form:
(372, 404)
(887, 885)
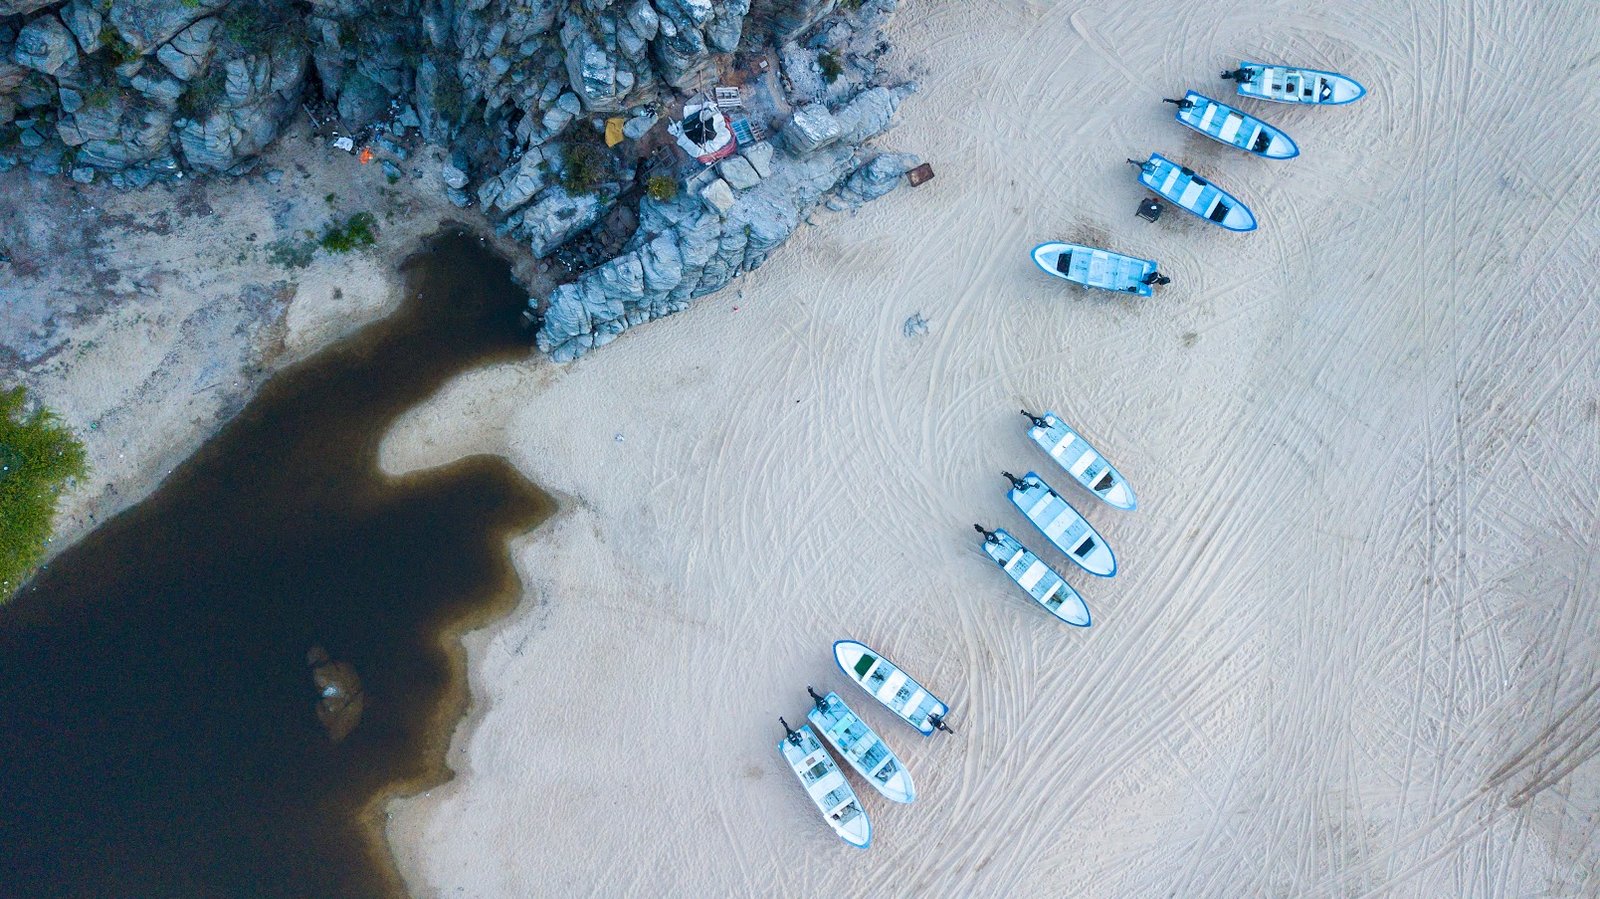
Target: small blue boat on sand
(1094, 267)
(891, 686)
(861, 747)
(1284, 84)
(825, 784)
(1224, 124)
(1070, 532)
(1037, 579)
(1081, 460)
(1197, 195)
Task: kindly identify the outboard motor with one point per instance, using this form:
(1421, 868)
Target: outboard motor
(938, 724)
(988, 536)
(1240, 75)
(1016, 482)
(792, 735)
(1185, 103)
(1037, 421)
(821, 702)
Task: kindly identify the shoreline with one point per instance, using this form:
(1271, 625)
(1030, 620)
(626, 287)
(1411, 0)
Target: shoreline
(176, 324)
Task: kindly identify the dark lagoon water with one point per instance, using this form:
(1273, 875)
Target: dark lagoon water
(157, 726)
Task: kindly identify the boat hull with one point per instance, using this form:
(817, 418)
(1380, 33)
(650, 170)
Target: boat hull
(825, 784)
(885, 682)
(1195, 194)
(1226, 125)
(1094, 267)
(862, 749)
(1305, 87)
(1038, 580)
(1077, 457)
(1061, 524)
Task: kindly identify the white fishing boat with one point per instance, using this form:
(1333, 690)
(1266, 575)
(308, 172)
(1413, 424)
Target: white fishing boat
(1194, 194)
(1061, 524)
(1094, 267)
(704, 131)
(1286, 84)
(825, 784)
(1081, 460)
(891, 686)
(861, 747)
(1037, 579)
(1224, 124)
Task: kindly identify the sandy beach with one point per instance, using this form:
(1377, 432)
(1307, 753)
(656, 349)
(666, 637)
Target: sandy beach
(1350, 648)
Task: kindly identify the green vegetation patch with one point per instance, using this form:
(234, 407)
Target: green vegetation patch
(585, 165)
(38, 455)
(831, 67)
(661, 188)
(358, 231)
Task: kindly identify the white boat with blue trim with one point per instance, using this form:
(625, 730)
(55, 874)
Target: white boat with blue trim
(1195, 194)
(860, 746)
(1224, 124)
(1061, 524)
(1286, 84)
(1037, 579)
(825, 784)
(1081, 460)
(1094, 267)
(891, 686)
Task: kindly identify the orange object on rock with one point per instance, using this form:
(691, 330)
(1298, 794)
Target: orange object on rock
(365, 155)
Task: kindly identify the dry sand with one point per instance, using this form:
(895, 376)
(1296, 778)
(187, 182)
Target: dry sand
(1351, 650)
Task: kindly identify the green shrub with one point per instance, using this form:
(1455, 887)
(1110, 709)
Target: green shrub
(37, 456)
(117, 50)
(828, 61)
(355, 233)
(259, 26)
(584, 166)
(204, 94)
(661, 188)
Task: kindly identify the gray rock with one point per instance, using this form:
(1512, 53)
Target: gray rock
(83, 174)
(739, 174)
(22, 7)
(724, 31)
(869, 114)
(639, 126)
(519, 183)
(718, 196)
(362, 101)
(190, 50)
(873, 179)
(45, 45)
(810, 129)
(555, 217)
(84, 21)
(160, 89)
(459, 198)
(391, 171)
(275, 176)
(453, 177)
(147, 24)
(759, 155)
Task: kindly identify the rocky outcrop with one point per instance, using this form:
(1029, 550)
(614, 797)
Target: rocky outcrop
(519, 91)
(696, 243)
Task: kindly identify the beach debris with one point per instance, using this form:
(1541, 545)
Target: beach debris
(1150, 209)
(920, 175)
(915, 326)
(341, 699)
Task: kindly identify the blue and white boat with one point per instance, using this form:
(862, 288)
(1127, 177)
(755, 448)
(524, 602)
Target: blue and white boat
(860, 746)
(1224, 124)
(1094, 267)
(891, 686)
(1070, 532)
(825, 784)
(1285, 84)
(1037, 579)
(1197, 195)
(1081, 460)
